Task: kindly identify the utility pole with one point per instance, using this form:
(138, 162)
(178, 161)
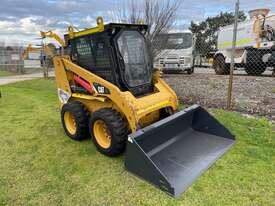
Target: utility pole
(232, 64)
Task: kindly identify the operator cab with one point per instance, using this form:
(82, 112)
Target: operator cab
(117, 54)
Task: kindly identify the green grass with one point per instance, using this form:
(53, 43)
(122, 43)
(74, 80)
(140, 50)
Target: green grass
(39, 165)
(4, 73)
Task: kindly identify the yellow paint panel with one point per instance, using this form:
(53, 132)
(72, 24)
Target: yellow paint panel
(86, 32)
(99, 28)
(134, 109)
(88, 97)
(238, 43)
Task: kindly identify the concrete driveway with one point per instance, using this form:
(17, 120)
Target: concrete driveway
(18, 78)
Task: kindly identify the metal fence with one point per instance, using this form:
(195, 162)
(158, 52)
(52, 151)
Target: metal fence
(233, 59)
(12, 60)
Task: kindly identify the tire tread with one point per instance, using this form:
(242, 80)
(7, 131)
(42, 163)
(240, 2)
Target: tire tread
(81, 115)
(119, 130)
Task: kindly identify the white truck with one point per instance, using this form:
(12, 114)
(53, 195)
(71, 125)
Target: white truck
(255, 45)
(176, 53)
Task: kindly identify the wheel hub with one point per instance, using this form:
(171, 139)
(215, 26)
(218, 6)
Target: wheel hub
(70, 122)
(102, 134)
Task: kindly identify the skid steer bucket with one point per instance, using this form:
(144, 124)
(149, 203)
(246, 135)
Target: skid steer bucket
(173, 152)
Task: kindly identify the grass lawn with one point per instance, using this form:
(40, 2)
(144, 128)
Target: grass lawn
(39, 165)
(4, 73)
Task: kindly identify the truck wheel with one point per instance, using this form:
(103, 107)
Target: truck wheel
(254, 64)
(190, 71)
(109, 131)
(74, 117)
(255, 69)
(220, 66)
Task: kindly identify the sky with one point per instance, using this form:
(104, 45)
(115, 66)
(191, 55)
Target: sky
(21, 20)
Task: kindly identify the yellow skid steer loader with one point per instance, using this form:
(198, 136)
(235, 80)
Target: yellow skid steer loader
(109, 91)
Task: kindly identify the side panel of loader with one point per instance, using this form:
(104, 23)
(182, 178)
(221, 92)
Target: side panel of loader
(173, 152)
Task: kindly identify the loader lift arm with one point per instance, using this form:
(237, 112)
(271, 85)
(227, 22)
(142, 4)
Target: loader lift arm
(54, 36)
(44, 48)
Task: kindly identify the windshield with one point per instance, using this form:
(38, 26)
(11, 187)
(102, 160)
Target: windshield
(133, 50)
(176, 41)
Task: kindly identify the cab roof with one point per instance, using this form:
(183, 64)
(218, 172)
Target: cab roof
(106, 28)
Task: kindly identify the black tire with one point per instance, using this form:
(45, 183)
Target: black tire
(190, 71)
(117, 128)
(254, 65)
(220, 66)
(81, 119)
(255, 69)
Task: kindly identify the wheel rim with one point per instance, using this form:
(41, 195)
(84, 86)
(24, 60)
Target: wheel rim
(70, 122)
(102, 134)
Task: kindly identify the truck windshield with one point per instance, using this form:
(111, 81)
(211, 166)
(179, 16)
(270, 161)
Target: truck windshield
(132, 48)
(176, 41)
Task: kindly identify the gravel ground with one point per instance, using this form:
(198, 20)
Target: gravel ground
(251, 95)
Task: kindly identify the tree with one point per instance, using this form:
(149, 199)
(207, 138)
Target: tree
(206, 31)
(159, 15)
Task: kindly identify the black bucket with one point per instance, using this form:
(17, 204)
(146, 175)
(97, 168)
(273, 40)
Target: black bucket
(173, 152)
